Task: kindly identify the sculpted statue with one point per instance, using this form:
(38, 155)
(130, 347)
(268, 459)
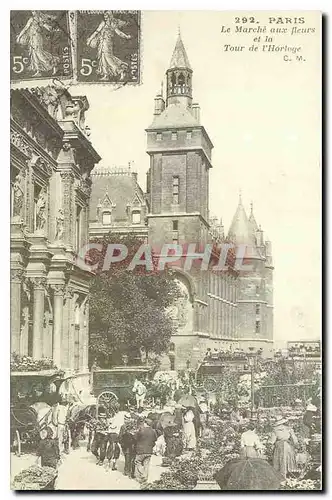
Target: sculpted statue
(18, 196)
(41, 211)
(59, 225)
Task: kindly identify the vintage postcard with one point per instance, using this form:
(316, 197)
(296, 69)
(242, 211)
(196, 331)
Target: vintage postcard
(40, 45)
(165, 323)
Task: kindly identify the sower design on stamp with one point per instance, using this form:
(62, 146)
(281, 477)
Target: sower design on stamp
(40, 45)
(108, 46)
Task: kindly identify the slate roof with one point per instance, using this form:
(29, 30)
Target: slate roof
(174, 116)
(179, 58)
(121, 189)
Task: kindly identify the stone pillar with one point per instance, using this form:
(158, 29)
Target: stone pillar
(67, 179)
(15, 309)
(58, 292)
(38, 316)
(83, 346)
(70, 333)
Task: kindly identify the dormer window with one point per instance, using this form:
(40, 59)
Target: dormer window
(136, 217)
(107, 218)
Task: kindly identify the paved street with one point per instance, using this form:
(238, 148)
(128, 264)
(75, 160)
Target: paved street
(79, 471)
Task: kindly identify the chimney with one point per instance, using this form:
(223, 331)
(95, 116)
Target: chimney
(159, 105)
(196, 111)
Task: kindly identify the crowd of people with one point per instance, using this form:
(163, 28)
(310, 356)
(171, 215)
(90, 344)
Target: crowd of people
(172, 432)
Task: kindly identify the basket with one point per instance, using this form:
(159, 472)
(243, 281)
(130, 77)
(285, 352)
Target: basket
(50, 486)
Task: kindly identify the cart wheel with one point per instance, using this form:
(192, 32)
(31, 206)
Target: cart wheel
(18, 443)
(106, 399)
(210, 384)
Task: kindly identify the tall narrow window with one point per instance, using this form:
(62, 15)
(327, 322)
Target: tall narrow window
(175, 225)
(136, 217)
(159, 136)
(78, 227)
(257, 290)
(258, 309)
(176, 190)
(107, 218)
(258, 326)
(174, 136)
(189, 134)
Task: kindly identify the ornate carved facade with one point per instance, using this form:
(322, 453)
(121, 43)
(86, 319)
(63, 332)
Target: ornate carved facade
(51, 161)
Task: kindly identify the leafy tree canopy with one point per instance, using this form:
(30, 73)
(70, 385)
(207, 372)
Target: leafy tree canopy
(128, 308)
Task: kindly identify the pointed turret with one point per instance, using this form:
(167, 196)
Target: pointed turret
(179, 77)
(240, 230)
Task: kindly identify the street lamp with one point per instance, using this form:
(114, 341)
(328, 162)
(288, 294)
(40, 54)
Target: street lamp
(252, 361)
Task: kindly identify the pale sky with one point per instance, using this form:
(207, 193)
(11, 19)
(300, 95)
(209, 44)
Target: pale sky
(263, 116)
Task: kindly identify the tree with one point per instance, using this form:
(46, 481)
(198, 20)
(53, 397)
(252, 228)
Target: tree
(128, 309)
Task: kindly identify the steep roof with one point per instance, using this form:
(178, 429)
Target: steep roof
(118, 187)
(241, 232)
(241, 229)
(179, 57)
(175, 115)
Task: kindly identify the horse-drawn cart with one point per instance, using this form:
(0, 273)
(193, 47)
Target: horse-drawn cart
(32, 394)
(116, 384)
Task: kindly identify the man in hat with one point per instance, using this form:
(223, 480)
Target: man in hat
(113, 449)
(127, 442)
(99, 443)
(146, 438)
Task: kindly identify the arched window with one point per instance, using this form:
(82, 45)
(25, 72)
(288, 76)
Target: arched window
(107, 218)
(136, 217)
(181, 79)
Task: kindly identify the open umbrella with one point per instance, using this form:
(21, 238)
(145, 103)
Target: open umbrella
(248, 474)
(188, 401)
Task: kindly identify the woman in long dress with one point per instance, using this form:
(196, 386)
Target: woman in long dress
(109, 66)
(32, 36)
(189, 433)
(283, 438)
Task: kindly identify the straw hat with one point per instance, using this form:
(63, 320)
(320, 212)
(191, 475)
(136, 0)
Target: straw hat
(279, 421)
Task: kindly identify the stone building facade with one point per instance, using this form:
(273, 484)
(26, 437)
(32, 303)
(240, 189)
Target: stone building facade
(51, 161)
(218, 309)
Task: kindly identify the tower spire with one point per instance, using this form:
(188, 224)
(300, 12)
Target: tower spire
(179, 76)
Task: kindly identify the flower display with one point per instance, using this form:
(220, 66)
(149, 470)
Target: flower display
(28, 364)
